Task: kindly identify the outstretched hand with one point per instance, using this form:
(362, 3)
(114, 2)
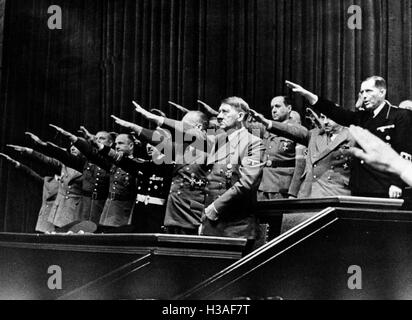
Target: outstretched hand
(87, 134)
(19, 148)
(148, 115)
(35, 138)
(122, 123)
(139, 109)
(312, 116)
(179, 107)
(14, 162)
(258, 117)
(208, 109)
(311, 97)
(127, 124)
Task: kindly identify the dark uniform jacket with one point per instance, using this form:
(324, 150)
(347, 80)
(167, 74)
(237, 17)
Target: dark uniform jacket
(391, 125)
(122, 189)
(327, 168)
(153, 185)
(234, 172)
(186, 199)
(67, 206)
(280, 162)
(95, 183)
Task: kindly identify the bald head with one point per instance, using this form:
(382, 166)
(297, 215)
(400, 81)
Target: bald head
(196, 119)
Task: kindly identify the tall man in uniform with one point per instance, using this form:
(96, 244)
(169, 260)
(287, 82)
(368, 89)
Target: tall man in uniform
(279, 156)
(379, 117)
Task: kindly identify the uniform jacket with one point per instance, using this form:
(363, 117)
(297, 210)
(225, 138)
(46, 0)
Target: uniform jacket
(153, 185)
(186, 199)
(234, 174)
(327, 168)
(66, 207)
(95, 183)
(391, 125)
(280, 163)
(122, 188)
(50, 189)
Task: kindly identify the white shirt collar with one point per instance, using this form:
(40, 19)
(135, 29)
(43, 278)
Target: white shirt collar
(378, 109)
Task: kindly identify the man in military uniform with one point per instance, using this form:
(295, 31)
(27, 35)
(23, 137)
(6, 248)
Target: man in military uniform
(122, 188)
(327, 170)
(279, 156)
(185, 201)
(95, 182)
(153, 184)
(234, 171)
(50, 188)
(379, 117)
(66, 207)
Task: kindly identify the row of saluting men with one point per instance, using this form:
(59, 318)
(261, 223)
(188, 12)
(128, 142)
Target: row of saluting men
(211, 188)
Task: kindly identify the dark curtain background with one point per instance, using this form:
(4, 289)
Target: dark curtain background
(113, 51)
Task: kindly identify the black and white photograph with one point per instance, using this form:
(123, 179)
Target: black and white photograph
(205, 155)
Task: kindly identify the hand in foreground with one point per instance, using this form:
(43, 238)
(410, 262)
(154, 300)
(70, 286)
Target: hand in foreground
(374, 151)
(380, 155)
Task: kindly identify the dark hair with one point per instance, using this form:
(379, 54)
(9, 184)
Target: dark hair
(288, 101)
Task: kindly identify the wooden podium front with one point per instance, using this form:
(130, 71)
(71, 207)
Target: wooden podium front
(109, 266)
(346, 248)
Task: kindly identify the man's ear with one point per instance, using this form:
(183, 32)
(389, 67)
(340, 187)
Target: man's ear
(242, 116)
